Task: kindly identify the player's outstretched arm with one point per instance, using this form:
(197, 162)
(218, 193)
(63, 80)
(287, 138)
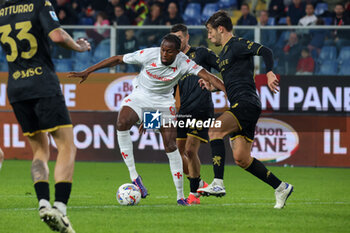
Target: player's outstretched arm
(272, 80)
(62, 38)
(212, 79)
(108, 62)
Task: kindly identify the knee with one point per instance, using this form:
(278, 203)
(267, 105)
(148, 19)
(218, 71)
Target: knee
(190, 152)
(170, 146)
(123, 124)
(242, 162)
(68, 149)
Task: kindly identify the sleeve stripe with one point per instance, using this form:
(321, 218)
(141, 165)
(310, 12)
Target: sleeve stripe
(257, 52)
(53, 30)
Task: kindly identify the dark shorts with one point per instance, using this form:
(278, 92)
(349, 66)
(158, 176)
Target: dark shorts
(199, 133)
(42, 114)
(247, 115)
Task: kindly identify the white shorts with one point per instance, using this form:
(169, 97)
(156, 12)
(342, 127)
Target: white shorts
(141, 101)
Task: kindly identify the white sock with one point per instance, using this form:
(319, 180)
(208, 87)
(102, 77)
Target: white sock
(0, 165)
(175, 162)
(219, 181)
(126, 150)
(44, 203)
(61, 207)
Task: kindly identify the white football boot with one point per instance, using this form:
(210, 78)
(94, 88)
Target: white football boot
(282, 193)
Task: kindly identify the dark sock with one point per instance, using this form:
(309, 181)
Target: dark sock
(259, 170)
(194, 184)
(62, 191)
(218, 154)
(42, 190)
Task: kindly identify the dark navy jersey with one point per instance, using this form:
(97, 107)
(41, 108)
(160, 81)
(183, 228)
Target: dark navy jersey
(194, 100)
(237, 69)
(24, 29)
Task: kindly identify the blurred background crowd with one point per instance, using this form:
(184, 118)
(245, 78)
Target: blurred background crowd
(296, 51)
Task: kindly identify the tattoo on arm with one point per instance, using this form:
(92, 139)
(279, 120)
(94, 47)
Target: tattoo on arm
(39, 170)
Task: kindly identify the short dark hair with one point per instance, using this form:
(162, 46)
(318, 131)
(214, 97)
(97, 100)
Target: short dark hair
(340, 4)
(220, 18)
(173, 39)
(310, 4)
(120, 6)
(245, 4)
(179, 27)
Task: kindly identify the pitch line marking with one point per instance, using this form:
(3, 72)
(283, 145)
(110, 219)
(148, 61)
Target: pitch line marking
(170, 205)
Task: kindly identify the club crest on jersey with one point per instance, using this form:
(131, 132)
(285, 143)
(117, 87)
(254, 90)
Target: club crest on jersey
(152, 119)
(53, 15)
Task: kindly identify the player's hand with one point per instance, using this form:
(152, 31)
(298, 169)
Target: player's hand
(84, 45)
(272, 82)
(204, 84)
(83, 75)
(141, 129)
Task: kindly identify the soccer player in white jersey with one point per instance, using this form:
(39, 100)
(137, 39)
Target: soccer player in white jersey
(162, 67)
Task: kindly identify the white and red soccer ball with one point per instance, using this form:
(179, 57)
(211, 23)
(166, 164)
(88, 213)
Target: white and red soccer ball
(128, 194)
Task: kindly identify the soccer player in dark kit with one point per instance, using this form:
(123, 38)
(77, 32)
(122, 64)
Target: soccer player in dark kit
(36, 98)
(237, 69)
(196, 103)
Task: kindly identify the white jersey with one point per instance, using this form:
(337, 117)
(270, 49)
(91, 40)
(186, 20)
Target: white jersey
(156, 77)
(308, 20)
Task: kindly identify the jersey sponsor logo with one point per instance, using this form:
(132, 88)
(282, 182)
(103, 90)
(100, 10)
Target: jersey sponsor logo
(53, 15)
(17, 9)
(274, 141)
(117, 91)
(158, 77)
(27, 73)
(152, 119)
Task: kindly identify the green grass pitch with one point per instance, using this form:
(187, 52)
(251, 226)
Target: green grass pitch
(320, 202)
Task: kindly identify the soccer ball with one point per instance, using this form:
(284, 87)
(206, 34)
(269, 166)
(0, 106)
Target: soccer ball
(128, 194)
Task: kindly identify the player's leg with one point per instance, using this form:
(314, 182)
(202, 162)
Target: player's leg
(241, 148)
(175, 161)
(126, 119)
(56, 217)
(40, 170)
(191, 151)
(229, 124)
(181, 145)
(1, 158)
(64, 166)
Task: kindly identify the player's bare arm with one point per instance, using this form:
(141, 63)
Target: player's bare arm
(109, 62)
(212, 79)
(62, 38)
